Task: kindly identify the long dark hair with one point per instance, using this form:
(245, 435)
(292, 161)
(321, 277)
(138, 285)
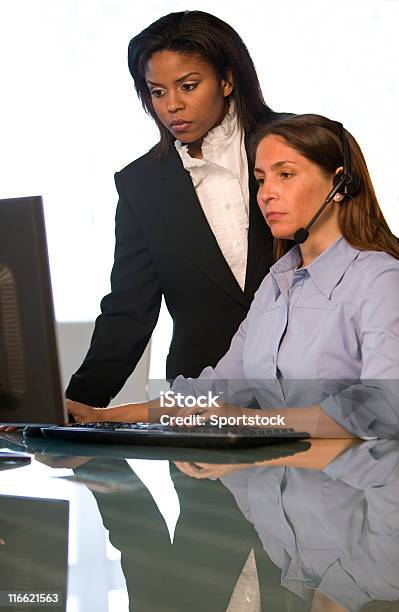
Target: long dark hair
(317, 138)
(203, 35)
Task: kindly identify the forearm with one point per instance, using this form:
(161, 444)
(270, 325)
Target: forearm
(320, 454)
(307, 418)
(124, 413)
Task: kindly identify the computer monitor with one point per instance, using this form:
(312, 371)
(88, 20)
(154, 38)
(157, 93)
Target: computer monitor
(30, 386)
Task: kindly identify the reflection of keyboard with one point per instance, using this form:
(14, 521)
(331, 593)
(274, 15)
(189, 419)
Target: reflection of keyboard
(154, 434)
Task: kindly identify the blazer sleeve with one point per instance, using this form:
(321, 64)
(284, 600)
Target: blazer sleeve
(128, 314)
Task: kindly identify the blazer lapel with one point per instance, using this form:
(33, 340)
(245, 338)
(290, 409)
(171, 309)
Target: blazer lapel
(183, 214)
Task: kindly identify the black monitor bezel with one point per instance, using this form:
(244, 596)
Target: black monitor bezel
(23, 243)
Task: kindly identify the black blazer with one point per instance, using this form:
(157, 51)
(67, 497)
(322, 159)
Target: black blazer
(164, 245)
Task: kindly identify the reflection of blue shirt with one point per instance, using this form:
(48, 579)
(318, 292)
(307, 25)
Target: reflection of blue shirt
(327, 333)
(336, 530)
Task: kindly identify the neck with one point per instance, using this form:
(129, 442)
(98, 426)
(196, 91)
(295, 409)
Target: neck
(316, 244)
(195, 148)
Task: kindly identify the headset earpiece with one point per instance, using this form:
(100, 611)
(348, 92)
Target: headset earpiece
(351, 186)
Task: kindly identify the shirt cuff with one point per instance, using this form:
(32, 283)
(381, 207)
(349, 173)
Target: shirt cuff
(337, 585)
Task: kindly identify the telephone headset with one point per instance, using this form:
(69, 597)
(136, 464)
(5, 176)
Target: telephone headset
(346, 182)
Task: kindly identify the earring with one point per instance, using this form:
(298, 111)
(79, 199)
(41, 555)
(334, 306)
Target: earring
(338, 197)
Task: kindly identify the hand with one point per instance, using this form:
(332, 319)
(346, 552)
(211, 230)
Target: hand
(204, 414)
(206, 470)
(322, 603)
(61, 462)
(10, 429)
(82, 413)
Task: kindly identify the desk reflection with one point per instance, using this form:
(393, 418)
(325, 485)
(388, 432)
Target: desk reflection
(334, 533)
(33, 549)
(323, 523)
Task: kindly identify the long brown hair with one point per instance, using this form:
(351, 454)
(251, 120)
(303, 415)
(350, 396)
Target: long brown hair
(319, 139)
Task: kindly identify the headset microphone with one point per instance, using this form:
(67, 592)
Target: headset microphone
(347, 183)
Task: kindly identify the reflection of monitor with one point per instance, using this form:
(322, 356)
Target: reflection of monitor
(30, 388)
(34, 550)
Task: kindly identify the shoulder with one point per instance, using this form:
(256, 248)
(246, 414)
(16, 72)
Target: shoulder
(265, 295)
(145, 163)
(371, 272)
(148, 166)
(373, 264)
(375, 283)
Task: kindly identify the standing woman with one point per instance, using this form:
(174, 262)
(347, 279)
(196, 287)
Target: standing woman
(187, 224)
(187, 227)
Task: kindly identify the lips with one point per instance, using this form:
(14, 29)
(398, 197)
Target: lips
(274, 215)
(179, 125)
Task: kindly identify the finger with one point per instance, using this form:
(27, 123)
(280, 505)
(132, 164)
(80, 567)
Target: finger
(183, 469)
(186, 412)
(187, 468)
(185, 418)
(74, 410)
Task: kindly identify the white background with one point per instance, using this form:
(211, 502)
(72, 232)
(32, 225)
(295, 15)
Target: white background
(70, 117)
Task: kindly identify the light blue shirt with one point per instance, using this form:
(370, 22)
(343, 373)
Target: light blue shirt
(325, 334)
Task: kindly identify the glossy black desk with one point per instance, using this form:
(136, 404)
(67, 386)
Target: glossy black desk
(117, 529)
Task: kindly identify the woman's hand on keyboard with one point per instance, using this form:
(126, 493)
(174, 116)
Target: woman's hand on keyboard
(225, 411)
(82, 413)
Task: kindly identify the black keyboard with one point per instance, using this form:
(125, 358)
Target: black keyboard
(155, 434)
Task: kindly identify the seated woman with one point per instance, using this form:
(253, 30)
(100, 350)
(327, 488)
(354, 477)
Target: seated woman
(320, 344)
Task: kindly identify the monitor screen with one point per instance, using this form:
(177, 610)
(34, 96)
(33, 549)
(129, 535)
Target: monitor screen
(30, 387)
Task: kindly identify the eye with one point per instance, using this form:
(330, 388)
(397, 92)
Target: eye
(188, 86)
(260, 181)
(286, 174)
(157, 93)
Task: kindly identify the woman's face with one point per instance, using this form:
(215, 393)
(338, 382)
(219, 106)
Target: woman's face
(291, 189)
(187, 95)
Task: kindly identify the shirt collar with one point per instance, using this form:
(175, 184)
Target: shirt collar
(226, 130)
(325, 271)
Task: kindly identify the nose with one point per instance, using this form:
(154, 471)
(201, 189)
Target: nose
(175, 102)
(266, 194)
